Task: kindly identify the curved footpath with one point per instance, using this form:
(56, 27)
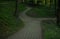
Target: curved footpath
(32, 29)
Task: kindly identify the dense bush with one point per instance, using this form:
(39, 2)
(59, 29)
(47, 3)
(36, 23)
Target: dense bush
(41, 12)
(51, 31)
(8, 23)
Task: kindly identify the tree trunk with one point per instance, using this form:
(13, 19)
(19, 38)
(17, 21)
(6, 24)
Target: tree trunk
(50, 3)
(58, 14)
(35, 1)
(16, 14)
(45, 2)
(23, 1)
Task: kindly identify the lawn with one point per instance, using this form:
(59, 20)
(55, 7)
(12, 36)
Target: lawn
(41, 12)
(50, 30)
(8, 24)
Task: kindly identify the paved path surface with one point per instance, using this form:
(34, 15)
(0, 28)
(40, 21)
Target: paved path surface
(32, 29)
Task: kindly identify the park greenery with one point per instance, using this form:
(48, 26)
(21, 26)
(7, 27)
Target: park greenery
(40, 9)
(50, 29)
(42, 12)
(8, 24)
(44, 8)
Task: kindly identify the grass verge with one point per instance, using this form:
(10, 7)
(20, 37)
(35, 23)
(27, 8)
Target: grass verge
(51, 31)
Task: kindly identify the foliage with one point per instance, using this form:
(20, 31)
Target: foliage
(51, 31)
(21, 7)
(8, 24)
(41, 12)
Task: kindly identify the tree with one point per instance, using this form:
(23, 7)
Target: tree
(49, 3)
(43, 2)
(16, 14)
(58, 14)
(35, 1)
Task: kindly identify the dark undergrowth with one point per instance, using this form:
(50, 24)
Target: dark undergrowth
(40, 12)
(8, 24)
(50, 30)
